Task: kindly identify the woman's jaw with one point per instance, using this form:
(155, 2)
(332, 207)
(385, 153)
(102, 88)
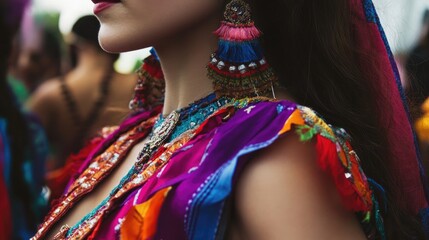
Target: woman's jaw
(129, 25)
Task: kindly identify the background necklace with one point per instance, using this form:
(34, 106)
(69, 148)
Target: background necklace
(82, 125)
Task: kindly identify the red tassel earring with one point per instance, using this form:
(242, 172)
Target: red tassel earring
(238, 68)
(150, 87)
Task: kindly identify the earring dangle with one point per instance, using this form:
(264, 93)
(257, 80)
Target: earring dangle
(238, 68)
(150, 88)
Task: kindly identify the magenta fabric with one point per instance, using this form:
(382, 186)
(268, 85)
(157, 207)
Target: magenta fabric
(403, 160)
(124, 127)
(6, 219)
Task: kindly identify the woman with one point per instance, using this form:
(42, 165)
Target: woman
(236, 164)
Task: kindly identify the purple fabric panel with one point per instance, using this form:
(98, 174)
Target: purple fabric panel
(260, 125)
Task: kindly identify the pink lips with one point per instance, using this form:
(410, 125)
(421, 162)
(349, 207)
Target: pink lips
(101, 6)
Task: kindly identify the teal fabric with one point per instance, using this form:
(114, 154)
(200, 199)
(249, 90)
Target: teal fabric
(19, 89)
(33, 168)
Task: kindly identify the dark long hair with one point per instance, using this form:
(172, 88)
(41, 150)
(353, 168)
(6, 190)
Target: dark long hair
(417, 67)
(17, 128)
(309, 43)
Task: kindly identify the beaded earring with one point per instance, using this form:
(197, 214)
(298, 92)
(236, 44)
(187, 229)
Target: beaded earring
(238, 68)
(150, 88)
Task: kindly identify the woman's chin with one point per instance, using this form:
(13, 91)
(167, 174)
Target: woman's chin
(112, 46)
(118, 43)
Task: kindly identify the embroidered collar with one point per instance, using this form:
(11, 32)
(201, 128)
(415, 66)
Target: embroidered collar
(194, 114)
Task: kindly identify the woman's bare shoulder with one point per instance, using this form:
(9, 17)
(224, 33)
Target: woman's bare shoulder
(283, 193)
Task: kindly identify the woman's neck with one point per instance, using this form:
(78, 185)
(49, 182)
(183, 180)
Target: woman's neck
(183, 60)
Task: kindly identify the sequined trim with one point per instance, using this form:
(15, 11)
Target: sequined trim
(98, 170)
(82, 229)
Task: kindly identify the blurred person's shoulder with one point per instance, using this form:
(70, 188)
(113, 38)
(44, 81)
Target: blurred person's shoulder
(46, 97)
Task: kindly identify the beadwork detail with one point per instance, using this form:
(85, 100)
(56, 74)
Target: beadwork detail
(150, 87)
(238, 68)
(348, 158)
(238, 13)
(196, 113)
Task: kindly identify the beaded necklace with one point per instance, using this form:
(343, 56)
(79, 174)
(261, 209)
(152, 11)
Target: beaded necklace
(195, 114)
(167, 128)
(81, 123)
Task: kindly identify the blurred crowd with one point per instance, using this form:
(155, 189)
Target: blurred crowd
(55, 98)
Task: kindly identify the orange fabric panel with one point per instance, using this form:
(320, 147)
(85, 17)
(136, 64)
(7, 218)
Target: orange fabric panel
(141, 221)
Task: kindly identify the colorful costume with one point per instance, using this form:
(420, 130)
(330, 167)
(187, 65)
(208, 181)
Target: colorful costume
(183, 195)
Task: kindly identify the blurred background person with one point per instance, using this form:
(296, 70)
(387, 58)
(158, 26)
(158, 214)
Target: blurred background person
(422, 129)
(417, 67)
(417, 88)
(73, 107)
(23, 147)
(38, 51)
